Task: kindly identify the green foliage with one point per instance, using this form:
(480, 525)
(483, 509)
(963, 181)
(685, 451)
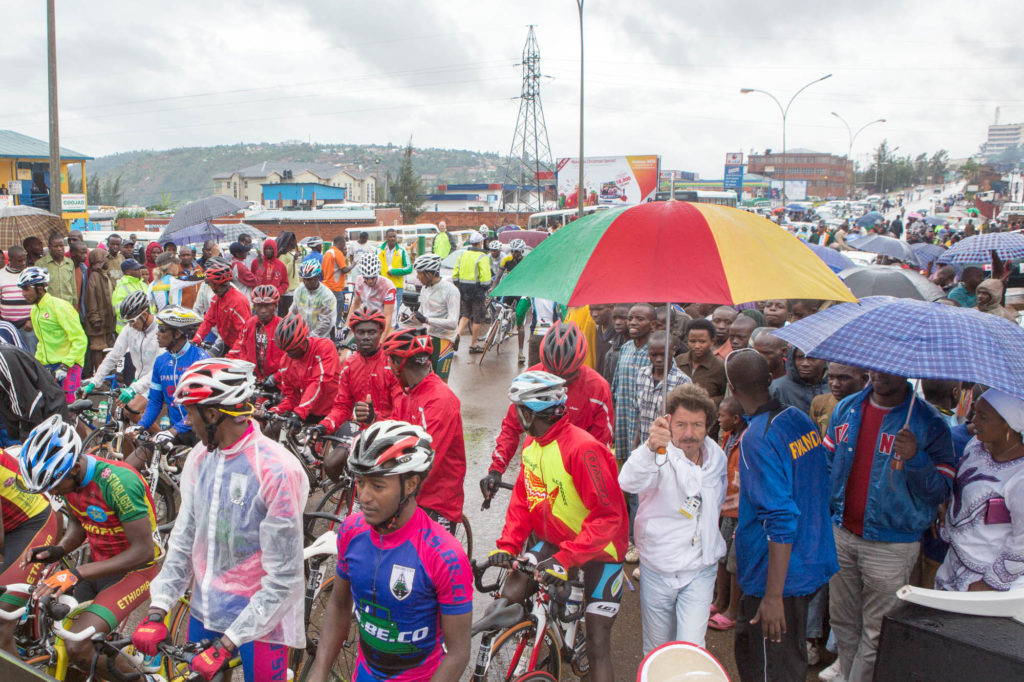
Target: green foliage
(95, 189)
(408, 187)
(888, 172)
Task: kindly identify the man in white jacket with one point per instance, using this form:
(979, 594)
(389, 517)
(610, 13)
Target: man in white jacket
(680, 476)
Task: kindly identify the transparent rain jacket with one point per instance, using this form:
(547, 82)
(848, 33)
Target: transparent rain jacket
(239, 534)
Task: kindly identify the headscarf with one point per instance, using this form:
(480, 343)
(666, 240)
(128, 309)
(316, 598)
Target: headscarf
(994, 288)
(1009, 407)
(755, 315)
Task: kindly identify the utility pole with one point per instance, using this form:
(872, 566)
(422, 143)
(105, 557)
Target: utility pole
(51, 59)
(580, 193)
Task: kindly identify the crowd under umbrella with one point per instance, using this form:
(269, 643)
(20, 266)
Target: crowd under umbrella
(890, 280)
(204, 210)
(672, 251)
(869, 219)
(233, 231)
(886, 246)
(927, 253)
(835, 261)
(978, 249)
(196, 234)
(934, 220)
(18, 223)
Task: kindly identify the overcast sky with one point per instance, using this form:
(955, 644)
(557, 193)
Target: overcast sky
(661, 77)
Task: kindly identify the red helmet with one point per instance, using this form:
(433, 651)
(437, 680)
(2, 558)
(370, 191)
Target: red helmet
(217, 272)
(563, 349)
(265, 293)
(292, 333)
(364, 314)
(406, 343)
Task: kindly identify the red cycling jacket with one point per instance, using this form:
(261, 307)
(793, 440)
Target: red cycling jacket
(588, 406)
(267, 362)
(433, 406)
(228, 313)
(310, 383)
(271, 270)
(361, 376)
(568, 494)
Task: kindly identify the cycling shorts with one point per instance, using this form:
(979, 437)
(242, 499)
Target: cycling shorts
(445, 523)
(260, 660)
(522, 307)
(116, 596)
(38, 531)
(602, 581)
(441, 357)
(72, 381)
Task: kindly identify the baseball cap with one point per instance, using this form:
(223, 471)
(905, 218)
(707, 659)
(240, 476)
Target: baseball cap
(130, 264)
(476, 238)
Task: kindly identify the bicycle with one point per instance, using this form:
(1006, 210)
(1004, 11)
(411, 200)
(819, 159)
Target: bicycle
(502, 327)
(514, 644)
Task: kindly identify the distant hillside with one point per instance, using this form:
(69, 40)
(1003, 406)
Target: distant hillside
(186, 173)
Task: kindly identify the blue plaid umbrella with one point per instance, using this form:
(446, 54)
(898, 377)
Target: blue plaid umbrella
(926, 253)
(977, 250)
(886, 246)
(915, 339)
(869, 219)
(193, 234)
(934, 220)
(836, 261)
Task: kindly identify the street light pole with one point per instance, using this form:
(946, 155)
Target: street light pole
(785, 113)
(51, 63)
(579, 190)
(849, 149)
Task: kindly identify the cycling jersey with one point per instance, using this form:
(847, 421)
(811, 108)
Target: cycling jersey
(112, 494)
(568, 494)
(239, 535)
(363, 375)
(59, 332)
(589, 406)
(309, 384)
(402, 583)
(167, 369)
(256, 345)
(440, 304)
(228, 313)
(319, 308)
(17, 506)
(381, 293)
(143, 349)
(432, 405)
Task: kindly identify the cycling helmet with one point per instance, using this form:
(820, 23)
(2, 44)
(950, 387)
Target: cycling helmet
(217, 272)
(48, 454)
(537, 391)
(494, 245)
(265, 293)
(475, 238)
(34, 277)
(369, 264)
(517, 245)
(408, 343)
(178, 317)
(428, 262)
(216, 381)
(365, 314)
(133, 305)
(309, 269)
(563, 349)
(391, 448)
(292, 333)
(311, 242)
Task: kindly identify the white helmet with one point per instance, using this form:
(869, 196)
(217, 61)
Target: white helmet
(48, 454)
(537, 390)
(216, 381)
(494, 245)
(428, 262)
(517, 245)
(369, 265)
(391, 448)
(34, 277)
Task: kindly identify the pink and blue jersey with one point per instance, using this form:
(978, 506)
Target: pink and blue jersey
(401, 584)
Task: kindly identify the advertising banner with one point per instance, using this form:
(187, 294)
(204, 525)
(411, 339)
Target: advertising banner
(796, 190)
(609, 180)
(733, 179)
(72, 202)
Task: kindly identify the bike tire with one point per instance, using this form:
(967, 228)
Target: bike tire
(512, 644)
(180, 616)
(492, 333)
(464, 535)
(165, 501)
(94, 445)
(338, 501)
(40, 663)
(345, 663)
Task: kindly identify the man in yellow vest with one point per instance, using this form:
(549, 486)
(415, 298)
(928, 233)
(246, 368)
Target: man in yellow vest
(472, 276)
(395, 265)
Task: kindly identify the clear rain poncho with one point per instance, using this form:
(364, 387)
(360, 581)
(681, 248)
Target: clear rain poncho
(239, 534)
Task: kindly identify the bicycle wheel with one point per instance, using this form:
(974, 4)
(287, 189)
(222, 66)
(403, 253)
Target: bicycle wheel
(492, 335)
(180, 615)
(40, 663)
(345, 663)
(511, 651)
(99, 443)
(165, 500)
(338, 501)
(463, 532)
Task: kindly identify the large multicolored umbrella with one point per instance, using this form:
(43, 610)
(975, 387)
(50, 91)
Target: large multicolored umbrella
(977, 249)
(18, 223)
(672, 251)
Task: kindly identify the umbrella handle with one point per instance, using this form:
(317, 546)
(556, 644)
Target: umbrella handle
(896, 463)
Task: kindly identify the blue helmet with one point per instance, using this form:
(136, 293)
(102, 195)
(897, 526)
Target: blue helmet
(34, 277)
(48, 454)
(538, 391)
(309, 269)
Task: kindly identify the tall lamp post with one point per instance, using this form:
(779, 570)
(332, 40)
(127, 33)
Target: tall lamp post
(579, 190)
(882, 184)
(785, 112)
(849, 149)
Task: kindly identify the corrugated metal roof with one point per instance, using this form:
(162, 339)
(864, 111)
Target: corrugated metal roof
(20, 146)
(322, 215)
(324, 171)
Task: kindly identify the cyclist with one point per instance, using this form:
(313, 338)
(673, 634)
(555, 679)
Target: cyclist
(313, 301)
(568, 494)
(494, 252)
(138, 340)
(372, 290)
(439, 310)
(238, 536)
(58, 329)
(228, 310)
(588, 405)
(408, 577)
(109, 506)
(27, 521)
(521, 304)
(175, 325)
(28, 393)
(256, 343)
(431, 405)
(308, 377)
(472, 276)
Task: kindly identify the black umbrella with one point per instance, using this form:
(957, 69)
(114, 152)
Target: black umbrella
(204, 211)
(890, 280)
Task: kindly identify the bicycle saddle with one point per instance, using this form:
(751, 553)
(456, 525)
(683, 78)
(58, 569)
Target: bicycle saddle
(499, 615)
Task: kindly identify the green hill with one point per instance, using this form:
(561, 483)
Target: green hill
(186, 173)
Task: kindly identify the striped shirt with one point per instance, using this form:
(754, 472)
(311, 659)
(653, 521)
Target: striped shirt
(624, 395)
(13, 306)
(649, 395)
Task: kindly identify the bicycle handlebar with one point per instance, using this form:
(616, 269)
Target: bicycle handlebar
(185, 653)
(487, 500)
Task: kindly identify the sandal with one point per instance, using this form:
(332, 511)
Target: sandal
(719, 621)
(714, 610)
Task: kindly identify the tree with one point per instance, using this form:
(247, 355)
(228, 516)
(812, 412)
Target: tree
(408, 188)
(112, 191)
(95, 189)
(938, 165)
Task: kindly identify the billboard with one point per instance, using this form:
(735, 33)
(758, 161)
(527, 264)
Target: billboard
(608, 180)
(733, 179)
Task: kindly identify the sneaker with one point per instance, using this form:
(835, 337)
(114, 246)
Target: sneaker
(813, 657)
(151, 664)
(632, 554)
(636, 573)
(833, 673)
(475, 350)
(522, 359)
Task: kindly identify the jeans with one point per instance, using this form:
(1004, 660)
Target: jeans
(760, 659)
(861, 593)
(669, 613)
(398, 306)
(816, 613)
(339, 296)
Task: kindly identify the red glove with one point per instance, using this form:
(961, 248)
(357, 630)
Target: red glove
(211, 661)
(196, 340)
(149, 634)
